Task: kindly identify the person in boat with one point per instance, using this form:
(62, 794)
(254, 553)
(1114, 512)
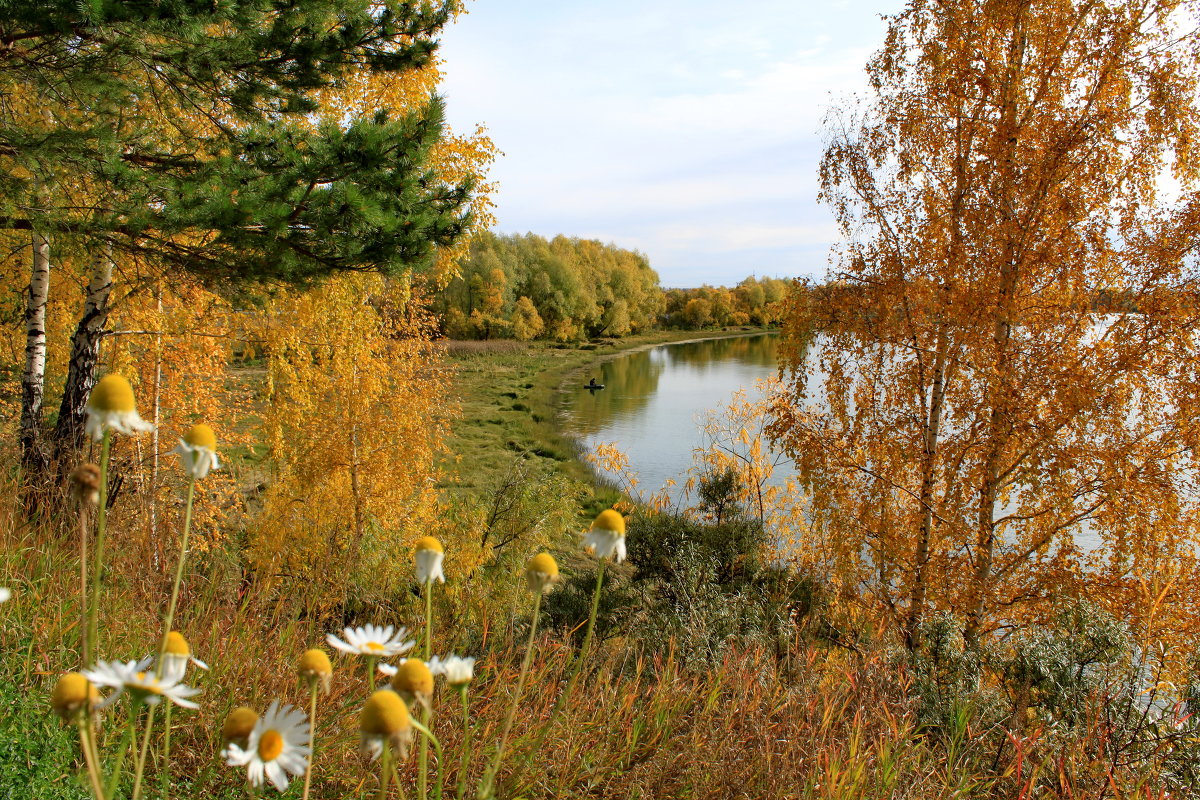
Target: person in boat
(591, 384)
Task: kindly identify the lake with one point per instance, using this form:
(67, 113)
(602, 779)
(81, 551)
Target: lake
(654, 400)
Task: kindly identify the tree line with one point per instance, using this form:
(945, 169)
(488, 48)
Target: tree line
(566, 289)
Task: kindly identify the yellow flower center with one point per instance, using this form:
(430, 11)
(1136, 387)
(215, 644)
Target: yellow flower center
(384, 714)
(428, 543)
(374, 647)
(201, 436)
(112, 393)
(270, 745)
(177, 645)
(609, 520)
(144, 684)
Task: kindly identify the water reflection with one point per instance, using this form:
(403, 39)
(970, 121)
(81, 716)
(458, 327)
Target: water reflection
(653, 399)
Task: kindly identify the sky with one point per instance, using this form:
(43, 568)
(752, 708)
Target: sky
(689, 130)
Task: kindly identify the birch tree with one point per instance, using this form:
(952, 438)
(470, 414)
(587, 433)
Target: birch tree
(1003, 361)
(180, 138)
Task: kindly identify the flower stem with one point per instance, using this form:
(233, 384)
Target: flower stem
(140, 765)
(399, 784)
(183, 544)
(464, 749)
(162, 649)
(84, 638)
(371, 672)
(487, 786)
(166, 754)
(423, 755)
(126, 743)
(575, 666)
(101, 524)
(312, 756)
(385, 771)
(89, 756)
(427, 736)
(591, 626)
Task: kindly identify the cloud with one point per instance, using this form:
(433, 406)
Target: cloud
(667, 126)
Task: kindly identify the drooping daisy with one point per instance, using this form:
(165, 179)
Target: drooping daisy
(85, 484)
(314, 667)
(385, 722)
(198, 451)
(134, 677)
(607, 535)
(177, 656)
(111, 406)
(278, 746)
(372, 640)
(428, 554)
(413, 681)
(73, 695)
(237, 728)
(541, 572)
(457, 671)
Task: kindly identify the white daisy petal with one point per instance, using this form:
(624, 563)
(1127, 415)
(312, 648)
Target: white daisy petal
(372, 640)
(455, 669)
(278, 746)
(277, 775)
(337, 643)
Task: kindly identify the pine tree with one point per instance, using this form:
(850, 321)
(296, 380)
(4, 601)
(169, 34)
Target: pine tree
(181, 136)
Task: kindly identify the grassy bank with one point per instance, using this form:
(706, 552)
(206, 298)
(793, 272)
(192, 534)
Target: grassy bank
(511, 395)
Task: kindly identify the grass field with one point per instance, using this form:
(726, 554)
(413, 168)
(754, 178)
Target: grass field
(511, 398)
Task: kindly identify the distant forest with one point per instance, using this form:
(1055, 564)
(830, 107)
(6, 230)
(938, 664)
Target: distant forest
(567, 289)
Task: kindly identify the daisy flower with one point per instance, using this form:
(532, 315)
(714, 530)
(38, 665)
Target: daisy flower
(314, 667)
(429, 554)
(111, 406)
(198, 451)
(385, 722)
(5, 594)
(133, 677)
(278, 746)
(607, 535)
(413, 681)
(73, 695)
(177, 656)
(457, 671)
(85, 484)
(541, 572)
(237, 728)
(372, 640)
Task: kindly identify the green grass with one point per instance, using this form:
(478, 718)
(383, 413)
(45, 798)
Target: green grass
(511, 397)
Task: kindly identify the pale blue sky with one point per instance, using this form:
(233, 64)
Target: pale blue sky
(687, 129)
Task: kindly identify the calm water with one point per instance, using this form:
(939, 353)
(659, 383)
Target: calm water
(654, 401)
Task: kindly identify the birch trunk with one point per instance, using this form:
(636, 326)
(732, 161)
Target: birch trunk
(33, 455)
(85, 355)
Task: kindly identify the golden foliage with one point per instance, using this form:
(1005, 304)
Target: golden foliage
(993, 399)
(356, 409)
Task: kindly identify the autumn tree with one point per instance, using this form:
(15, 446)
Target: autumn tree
(965, 421)
(578, 288)
(181, 135)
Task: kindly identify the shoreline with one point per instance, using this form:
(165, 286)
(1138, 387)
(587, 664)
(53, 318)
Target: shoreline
(511, 399)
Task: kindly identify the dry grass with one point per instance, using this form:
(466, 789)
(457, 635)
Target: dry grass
(823, 723)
